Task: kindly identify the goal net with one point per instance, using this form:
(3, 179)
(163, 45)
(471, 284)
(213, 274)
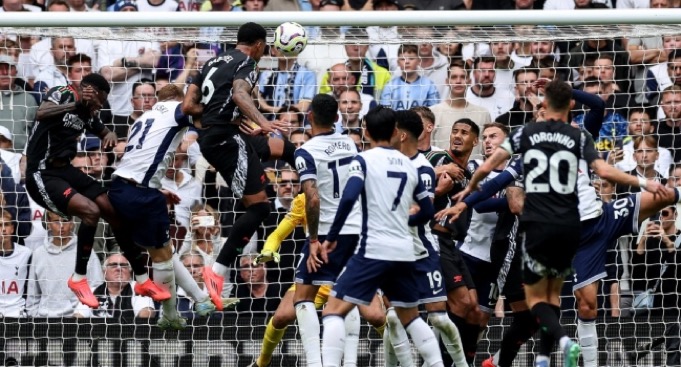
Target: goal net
(484, 73)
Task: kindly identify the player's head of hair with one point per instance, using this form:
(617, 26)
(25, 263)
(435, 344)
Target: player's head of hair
(558, 95)
(170, 92)
(324, 110)
(250, 33)
(410, 122)
(380, 123)
(426, 114)
(503, 127)
(466, 121)
(97, 81)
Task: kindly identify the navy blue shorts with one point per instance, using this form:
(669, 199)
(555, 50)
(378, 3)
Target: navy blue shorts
(327, 273)
(485, 279)
(431, 284)
(619, 218)
(144, 213)
(362, 277)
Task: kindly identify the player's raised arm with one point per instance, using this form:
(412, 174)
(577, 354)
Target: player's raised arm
(500, 156)
(191, 105)
(426, 208)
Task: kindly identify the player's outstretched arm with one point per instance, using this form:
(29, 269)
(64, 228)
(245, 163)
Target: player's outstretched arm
(191, 105)
(49, 109)
(241, 93)
(610, 173)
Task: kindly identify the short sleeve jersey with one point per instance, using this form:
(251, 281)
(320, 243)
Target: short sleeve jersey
(216, 81)
(551, 152)
(58, 136)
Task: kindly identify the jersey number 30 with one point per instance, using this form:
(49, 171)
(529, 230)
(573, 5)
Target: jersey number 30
(565, 158)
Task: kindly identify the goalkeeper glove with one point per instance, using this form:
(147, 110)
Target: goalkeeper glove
(265, 256)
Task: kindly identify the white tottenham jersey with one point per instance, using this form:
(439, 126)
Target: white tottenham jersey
(326, 159)
(590, 205)
(478, 241)
(390, 187)
(424, 242)
(152, 142)
(13, 278)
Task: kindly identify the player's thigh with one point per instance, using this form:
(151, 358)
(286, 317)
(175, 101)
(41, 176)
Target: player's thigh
(374, 314)
(430, 279)
(484, 277)
(360, 279)
(50, 191)
(143, 211)
(587, 296)
(401, 284)
(454, 270)
(327, 274)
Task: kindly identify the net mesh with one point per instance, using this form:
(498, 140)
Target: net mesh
(625, 79)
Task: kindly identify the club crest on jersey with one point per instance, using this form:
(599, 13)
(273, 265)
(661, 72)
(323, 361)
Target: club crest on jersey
(301, 165)
(427, 181)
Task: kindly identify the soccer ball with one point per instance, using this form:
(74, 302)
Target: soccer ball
(290, 38)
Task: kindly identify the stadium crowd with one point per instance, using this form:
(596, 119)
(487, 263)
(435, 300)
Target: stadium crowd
(637, 80)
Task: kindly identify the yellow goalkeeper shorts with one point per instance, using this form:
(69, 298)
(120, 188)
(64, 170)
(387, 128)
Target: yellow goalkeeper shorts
(322, 295)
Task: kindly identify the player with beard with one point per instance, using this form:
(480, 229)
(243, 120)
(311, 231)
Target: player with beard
(451, 165)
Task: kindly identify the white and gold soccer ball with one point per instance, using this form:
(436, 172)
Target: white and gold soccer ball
(290, 38)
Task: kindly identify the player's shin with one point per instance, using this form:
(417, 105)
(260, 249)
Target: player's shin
(333, 341)
(450, 336)
(588, 340)
(241, 234)
(388, 350)
(308, 327)
(521, 330)
(352, 327)
(270, 340)
(399, 339)
(164, 276)
(86, 237)
(425, 342)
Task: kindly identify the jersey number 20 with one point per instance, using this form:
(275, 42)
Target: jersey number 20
(566, 158)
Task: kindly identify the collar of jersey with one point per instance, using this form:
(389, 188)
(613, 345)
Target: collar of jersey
(327, 133)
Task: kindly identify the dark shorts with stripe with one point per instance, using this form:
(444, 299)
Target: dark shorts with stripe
(235, 157)
(454, 269)
(53, 188)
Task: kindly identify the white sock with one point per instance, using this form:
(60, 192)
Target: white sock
(184, 279)
(77, 277)
(388, 350)
(399, 339)
(308, 327)
(142, 278)
(541, 358)
(495, 358)
(221, 270)
(588, 340)
(352, 327)
(450, 336)
(334, 340)
(425, 342)
(164, 276)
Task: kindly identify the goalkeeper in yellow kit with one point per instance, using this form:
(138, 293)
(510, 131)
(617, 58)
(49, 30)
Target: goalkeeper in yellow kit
(285, 314)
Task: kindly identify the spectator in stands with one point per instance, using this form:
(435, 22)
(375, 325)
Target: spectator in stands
(614, 128)
(503, 65)
(255, 293)
(484, 93)
(369, 76)
(14, 161)
(48, 295)
(78, 66)
(17, 5)
(350, 107)
(604, 188)
(356, 135)
(340, 78)
(579, 54)
(254, 5)
(63, 48)
(674, 66)
(527, 99)
(123, 63)
(204, 237)
(287, 84)
(640, 124)
(170, 64)
(433, 65)
(292, 115)
(116, 297)
(157, 5)
(384, 46)
(178, 179)
(79, 5)
(645, 154)
(17, 107)
(409, 89)
(455, 107)
(299, 137)
(99, 167)
(143, 99)
(15, 261)
(604, 70)
(669, 129)
(647, 57)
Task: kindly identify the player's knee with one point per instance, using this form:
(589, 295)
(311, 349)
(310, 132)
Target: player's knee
(587, 310)
(392, 319)
(283, 319)
(374, 318)
(89, 214)
(460, 305)
(439, 320)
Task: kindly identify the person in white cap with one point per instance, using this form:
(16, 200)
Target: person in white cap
(11, 159)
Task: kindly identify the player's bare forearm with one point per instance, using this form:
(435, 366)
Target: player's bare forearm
(191, 105)
(50, 109)
(241, 93)
(311, 207)
(610, 173)
(516, 199)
